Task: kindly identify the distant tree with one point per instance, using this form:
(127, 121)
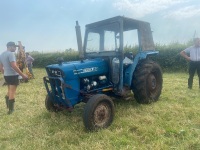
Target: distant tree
(69, 50)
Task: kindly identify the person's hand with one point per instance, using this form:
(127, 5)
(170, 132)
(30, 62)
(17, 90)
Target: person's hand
(188, 58)
(25, 77)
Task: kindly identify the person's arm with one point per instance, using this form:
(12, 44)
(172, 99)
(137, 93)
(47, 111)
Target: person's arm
(14, 66)
(1, 68)
(32, 59)
(184, 54)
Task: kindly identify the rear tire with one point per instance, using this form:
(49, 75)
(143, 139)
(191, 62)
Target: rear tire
(98, 112)
(147, 82)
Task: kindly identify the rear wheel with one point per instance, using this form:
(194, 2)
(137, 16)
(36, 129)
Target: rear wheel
(147, 82)
(98, 112)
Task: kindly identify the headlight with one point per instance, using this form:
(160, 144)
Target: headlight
(55, 72)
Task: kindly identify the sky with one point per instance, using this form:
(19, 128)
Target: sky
(49, 25)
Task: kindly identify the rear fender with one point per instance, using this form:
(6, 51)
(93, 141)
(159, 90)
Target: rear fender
(129, 71)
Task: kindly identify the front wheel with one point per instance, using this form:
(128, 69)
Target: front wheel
(50, 106)
(147, 82)
(98, 112)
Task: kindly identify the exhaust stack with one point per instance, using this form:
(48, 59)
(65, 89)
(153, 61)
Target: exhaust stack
(79, 40)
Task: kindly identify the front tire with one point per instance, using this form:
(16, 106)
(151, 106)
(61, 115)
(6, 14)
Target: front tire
(147, 82)
(50, 106)
(98, 112)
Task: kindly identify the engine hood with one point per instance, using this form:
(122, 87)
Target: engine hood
(78, 69)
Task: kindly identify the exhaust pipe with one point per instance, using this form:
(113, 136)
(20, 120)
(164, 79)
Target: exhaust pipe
(79, 40)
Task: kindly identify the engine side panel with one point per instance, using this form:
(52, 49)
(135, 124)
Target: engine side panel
(91, 67)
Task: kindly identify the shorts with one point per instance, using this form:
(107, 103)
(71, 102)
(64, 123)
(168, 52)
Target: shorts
(12, 80)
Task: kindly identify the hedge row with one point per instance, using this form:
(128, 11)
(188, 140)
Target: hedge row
(44, 59)
(168, 58)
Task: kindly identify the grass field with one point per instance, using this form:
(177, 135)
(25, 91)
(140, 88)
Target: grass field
(172, 123)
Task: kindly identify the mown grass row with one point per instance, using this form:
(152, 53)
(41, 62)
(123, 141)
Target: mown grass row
(170, 123)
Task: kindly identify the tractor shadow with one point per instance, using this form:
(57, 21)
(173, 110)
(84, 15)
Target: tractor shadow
(53, 122)
(73, 121)
(128, 100)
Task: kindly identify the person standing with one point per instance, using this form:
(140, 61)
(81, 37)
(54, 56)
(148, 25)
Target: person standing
(11, 72)
(192, 54)
(29, 63)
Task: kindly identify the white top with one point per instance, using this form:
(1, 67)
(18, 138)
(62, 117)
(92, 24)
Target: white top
(194, 53)
(5, 59)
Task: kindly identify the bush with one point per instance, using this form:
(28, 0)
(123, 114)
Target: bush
(44, 59)
(169, 56)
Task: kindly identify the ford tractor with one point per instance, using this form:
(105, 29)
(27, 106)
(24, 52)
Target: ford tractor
(105, 71)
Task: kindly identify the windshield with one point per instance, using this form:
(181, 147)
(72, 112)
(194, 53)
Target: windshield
(103, 38)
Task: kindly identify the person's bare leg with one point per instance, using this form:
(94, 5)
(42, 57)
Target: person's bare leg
(8, 91)
(12, 91)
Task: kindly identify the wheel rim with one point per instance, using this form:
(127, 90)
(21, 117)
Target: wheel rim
(101, 114)
(152, 82)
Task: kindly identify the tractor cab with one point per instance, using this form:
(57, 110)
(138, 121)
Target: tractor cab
(106, 39)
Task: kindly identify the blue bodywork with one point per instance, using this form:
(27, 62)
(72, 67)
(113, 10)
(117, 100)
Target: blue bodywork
(64, 79)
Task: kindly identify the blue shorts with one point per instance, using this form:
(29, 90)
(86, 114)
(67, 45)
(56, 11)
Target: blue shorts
(12, 80)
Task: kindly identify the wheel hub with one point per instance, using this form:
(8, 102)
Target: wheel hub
(101, 115)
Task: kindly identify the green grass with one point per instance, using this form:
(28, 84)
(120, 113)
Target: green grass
(171, 123)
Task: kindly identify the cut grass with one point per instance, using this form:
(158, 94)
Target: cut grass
(170, 123)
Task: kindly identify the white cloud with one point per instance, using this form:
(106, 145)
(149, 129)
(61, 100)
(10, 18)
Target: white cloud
(183, 13)
(141, 8)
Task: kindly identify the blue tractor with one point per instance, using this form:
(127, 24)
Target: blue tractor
(105, 71)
